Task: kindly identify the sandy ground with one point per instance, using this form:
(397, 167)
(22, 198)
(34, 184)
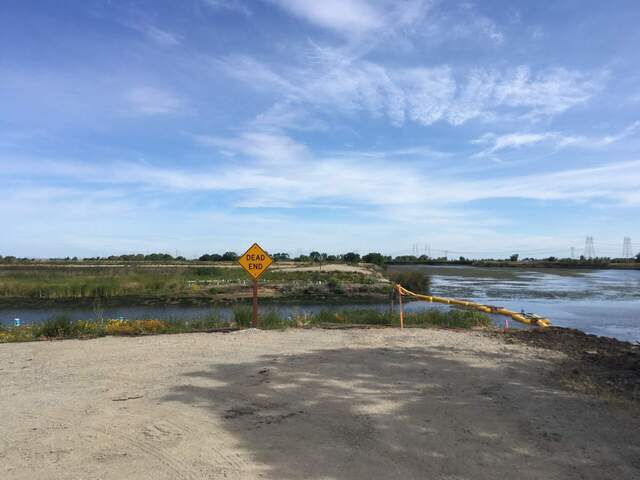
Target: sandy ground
(313, 404)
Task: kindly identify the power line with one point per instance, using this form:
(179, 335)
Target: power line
(626, 248)
(589, 248)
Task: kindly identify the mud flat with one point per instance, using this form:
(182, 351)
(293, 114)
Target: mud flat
(313, 404)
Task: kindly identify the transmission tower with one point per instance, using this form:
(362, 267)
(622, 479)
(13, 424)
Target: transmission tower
(573, 252)
(589, 249)
(626, 248)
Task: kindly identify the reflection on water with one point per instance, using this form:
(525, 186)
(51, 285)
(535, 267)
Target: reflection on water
(534, 284)
(602, 302)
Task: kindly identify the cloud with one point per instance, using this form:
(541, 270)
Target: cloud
(556, 139)
(153, 101)
(512, 140)
(467, 23)
(161, 37)
(350, 16)
(277, 171)
(158, 35)
(264, 147)
(618, 182)
(337, 84)
(550, 91)
(256, 74)
(237, 6)
(355, 193)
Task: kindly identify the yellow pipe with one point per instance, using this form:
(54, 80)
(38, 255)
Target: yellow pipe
(517, 316)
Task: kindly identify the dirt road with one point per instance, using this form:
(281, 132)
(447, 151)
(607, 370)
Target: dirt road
(312, 404)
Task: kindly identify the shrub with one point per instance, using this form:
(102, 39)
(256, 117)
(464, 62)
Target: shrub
(59, 326)
(354, 317)
(447, 319)
(89, 328)
(135, 327)
(415, 281)
(272, 320)
(242, 316)
(334, 285)
(212, 320)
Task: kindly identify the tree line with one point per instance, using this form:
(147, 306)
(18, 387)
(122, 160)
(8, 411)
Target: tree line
(375, 258)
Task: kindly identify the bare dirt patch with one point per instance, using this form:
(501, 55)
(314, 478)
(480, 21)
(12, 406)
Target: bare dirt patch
(601, 365)
(314, 404)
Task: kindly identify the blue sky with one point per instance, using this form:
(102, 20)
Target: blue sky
(481, 128)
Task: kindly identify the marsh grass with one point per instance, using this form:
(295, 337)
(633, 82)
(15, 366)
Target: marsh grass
(73, 283)
(428, 318)
(272, 320)
(60, 326)
(242, 316)
(60, 283)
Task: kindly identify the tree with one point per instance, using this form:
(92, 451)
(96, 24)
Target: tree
(230, 256)
(414, 281)
(152, 257)
(373, 257)
(351, 257)
(277, 257)
(315, 256)
(405, 259)
(638, 257)
(514, 257)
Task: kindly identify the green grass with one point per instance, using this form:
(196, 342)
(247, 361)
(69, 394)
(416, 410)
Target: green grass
(59, 327)
(65, 283)
(242, 316)
(427, 318)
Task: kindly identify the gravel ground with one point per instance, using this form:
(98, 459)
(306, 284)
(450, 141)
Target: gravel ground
(313, 404)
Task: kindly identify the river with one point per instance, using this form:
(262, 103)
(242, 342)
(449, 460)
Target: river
(602, 302)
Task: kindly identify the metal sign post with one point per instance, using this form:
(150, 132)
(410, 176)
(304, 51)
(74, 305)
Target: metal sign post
(254, 318)
(255, 262)
(400, 306)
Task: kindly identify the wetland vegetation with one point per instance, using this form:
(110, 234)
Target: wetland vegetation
(62, 327)
(50, 284)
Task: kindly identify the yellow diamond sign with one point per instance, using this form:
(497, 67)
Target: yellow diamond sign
(255, 261)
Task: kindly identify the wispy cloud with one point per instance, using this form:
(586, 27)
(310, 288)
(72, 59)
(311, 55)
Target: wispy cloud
(154, 101)
(337, 84)
(350, 16)
(556, 139)
(263, 147)
(467, 23)
(513, 140)
(237, 6)
(255, 74)
(158, 35)
(287, 175)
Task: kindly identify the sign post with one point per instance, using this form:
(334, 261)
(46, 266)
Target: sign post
(255, 262)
